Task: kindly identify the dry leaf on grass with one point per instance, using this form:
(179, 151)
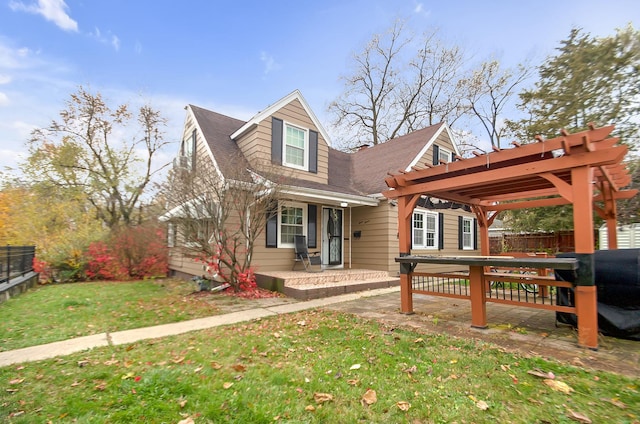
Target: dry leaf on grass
(578, 417)
(537, 373)
(558, 386)
(227, 385)
(322, 397)
(355, 367)
(310, 408)
(370, 397)
(403, 405)
(187, 420)
(616, 402)
(353, 382)
(482, 405)
(239, 367)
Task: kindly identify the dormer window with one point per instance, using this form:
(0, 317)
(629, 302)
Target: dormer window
(295, 146)
(188, 153)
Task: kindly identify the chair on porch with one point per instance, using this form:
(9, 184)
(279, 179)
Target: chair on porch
(302, 255)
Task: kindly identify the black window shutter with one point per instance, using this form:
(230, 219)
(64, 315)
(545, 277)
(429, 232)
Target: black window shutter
(272, 226)
(440, 231)
(276, 141)
(312, 219)
(453, 156)
(313, 152)
(460, 233)
(436, 154)
(475, 234)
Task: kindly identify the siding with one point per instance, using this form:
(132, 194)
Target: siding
(256, 143)
(378, 244)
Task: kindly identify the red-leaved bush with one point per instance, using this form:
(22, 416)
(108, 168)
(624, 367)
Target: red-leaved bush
(129, 253)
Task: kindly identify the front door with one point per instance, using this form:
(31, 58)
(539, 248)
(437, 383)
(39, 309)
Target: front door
(332, 240)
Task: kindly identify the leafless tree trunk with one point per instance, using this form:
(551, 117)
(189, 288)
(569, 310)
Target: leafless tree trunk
(220, 218)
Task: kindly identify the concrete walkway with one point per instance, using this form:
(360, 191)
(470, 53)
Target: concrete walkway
(525, 331)
(271, 307)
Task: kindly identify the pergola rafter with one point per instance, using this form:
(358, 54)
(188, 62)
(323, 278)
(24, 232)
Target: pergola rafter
(579, 169)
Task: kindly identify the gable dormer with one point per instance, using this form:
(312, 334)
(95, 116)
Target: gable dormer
(287, 135)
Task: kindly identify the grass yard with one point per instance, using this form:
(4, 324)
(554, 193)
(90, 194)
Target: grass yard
(58, 312)
(312, 367)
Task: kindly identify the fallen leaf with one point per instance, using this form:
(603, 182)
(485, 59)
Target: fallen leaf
(322, 397)
(127, 376)
(310, 408)
(182, 403)
(482, 405)
(411, 369)
(83, 363)
(616, 402)
(403, 405)
(100, 385)
(276, 335)
(16, 381)
(419, 340)
(76, 383)
(178, 360)
(239, 367)
(577, 362)
(355, 367)
(188, 420)
(558, 386)
(227, 385)
(302, 323)
(370, 397)
(453, 361)
(353, 382)
(578, 417)
(505, 367)
(541, 374)
(12, 390)
(215, 365)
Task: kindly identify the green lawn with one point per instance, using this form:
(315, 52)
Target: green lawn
(58, 312)
(315, 367)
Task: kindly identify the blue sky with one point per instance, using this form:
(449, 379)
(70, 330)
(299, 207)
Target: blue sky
(237, 57)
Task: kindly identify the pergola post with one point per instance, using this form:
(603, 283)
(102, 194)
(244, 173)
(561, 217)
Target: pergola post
(406, 204)
(585, 291)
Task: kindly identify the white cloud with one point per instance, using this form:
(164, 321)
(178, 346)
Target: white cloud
(420, 10)
(269, 62)
(115, 42)
(51, 10)
(109, 38)
(4, 99)
(5, 79)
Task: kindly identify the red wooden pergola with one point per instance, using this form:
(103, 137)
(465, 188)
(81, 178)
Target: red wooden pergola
(584, 169)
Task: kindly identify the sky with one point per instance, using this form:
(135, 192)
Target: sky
(237, 57)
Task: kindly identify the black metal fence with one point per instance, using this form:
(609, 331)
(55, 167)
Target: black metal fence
(15, 261)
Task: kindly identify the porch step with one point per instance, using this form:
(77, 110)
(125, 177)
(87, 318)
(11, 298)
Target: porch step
(331, 282)
(331, 277)
(318, 290)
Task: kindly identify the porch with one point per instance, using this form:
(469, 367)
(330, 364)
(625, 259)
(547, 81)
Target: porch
(304, 285)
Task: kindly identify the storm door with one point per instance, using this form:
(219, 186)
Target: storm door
(332, 236)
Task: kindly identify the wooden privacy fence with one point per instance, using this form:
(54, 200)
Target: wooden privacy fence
(557, 242)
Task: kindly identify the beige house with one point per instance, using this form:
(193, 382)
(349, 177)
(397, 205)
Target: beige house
(333, 198)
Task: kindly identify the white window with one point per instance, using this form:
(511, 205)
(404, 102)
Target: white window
(295, 147)
(292, 218)
(425, 230)
(444, 155)
(467, 233)
(172, 231)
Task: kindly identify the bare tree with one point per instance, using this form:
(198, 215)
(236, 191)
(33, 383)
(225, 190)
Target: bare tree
(489, 91)
(219, 218)
(87, 152)
(399, 84)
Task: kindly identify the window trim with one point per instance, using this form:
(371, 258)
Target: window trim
(471, 233)
(441, 151)
(305, 218)
(436, 235)
(305, 154)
